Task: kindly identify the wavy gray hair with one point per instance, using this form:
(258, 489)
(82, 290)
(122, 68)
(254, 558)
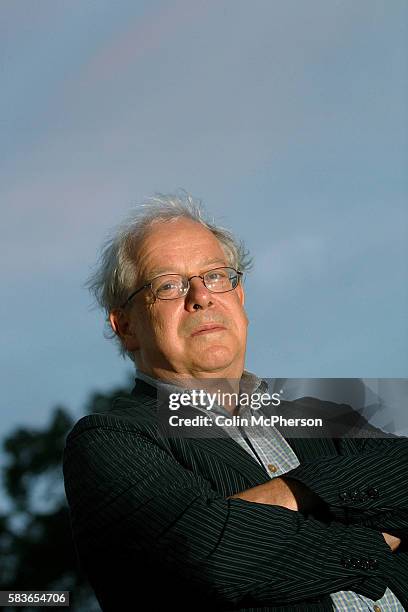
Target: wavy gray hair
(115, 273)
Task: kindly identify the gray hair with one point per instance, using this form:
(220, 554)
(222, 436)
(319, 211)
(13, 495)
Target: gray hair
(115, 273)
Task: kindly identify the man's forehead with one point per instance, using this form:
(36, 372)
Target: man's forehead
(204, 262)
(177, 247)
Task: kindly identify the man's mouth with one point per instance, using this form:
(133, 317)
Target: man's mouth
(206, 329)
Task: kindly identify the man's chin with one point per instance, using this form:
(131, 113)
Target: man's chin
(215, 359)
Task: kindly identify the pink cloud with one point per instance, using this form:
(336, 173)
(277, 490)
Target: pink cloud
(142, 37)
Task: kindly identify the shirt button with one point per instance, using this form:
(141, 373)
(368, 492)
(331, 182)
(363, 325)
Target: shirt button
(377, 609)
(272, 468)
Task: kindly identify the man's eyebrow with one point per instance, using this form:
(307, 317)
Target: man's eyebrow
(159, 271)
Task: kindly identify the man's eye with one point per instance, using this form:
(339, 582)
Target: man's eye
(215, 276)
(167, 286)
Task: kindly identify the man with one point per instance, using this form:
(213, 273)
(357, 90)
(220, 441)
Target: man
(236, 519)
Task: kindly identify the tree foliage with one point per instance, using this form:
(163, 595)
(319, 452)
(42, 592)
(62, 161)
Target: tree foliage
(36, 547)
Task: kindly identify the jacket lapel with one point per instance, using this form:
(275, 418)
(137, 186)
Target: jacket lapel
(214, 442)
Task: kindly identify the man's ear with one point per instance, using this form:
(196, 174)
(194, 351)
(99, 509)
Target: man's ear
(121, 324)
(241, 293)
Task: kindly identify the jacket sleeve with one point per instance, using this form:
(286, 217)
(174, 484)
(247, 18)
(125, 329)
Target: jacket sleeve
(365, 483)
(124, 490)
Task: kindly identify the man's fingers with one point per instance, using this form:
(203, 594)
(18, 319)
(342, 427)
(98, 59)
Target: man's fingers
(392, 541)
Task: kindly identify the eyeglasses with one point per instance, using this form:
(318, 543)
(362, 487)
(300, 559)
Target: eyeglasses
(173, 286)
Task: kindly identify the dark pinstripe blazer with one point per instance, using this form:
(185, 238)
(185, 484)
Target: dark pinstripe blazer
(150, 518)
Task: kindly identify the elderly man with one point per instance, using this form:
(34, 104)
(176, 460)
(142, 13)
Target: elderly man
(240, 519)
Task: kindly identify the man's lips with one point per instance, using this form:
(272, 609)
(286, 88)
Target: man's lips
(210, 327)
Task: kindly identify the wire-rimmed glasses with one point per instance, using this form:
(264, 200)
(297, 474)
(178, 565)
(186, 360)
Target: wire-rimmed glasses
(173, 286)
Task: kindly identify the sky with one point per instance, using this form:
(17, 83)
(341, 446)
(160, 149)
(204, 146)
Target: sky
(288, 119)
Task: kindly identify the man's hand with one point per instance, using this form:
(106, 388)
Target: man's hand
(392, 541)
(276, 492)
(286, 492)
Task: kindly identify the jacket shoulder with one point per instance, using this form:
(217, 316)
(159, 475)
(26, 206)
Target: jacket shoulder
(127, 413)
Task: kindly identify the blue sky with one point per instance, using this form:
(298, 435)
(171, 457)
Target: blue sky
(287, 118)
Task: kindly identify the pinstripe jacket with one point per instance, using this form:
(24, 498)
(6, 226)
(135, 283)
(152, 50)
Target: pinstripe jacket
(151, 519)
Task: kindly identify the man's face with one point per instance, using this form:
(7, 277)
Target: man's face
(163, 333)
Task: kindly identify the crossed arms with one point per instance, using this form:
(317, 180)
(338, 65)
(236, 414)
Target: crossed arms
(126, 491)
(293, 495)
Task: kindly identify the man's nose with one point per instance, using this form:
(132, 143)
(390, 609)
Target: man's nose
(198, 295)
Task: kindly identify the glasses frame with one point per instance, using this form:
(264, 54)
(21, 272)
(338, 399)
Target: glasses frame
(149, 284)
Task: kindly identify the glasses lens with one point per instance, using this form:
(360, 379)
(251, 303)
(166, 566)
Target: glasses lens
(169, 287)
(221, 279)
